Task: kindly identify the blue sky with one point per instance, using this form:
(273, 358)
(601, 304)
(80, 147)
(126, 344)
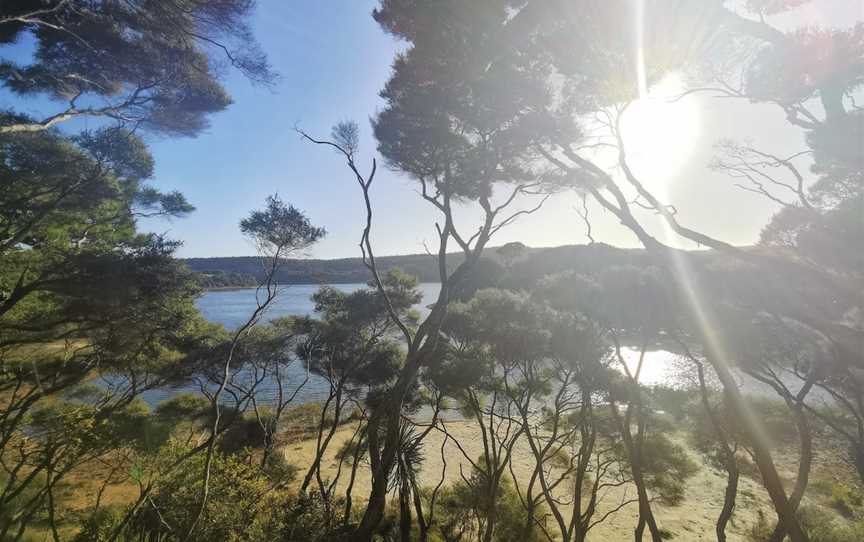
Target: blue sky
(333, 59)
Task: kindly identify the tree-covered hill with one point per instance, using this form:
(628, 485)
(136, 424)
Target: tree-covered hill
(526, 265)
(296, 271)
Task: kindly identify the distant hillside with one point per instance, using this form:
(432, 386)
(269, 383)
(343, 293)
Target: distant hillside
(526, 265)
(344, 270)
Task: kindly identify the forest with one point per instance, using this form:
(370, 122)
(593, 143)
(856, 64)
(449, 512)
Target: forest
(516, 404)
(519, 260)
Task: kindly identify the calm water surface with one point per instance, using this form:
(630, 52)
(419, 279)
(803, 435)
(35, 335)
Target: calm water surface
(232, 308)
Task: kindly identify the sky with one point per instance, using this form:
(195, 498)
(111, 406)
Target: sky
(333, 60)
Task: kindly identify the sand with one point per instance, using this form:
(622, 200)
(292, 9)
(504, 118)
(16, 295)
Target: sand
(693, 520)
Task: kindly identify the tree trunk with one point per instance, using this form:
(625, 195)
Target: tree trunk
(404, 511)
(382, 461)
(804, 464)
(350, 489)
(730, 462)
(418, 509)
(321, 447)
(491, 511)
(761, 450)
(634, 454)
(858, 454)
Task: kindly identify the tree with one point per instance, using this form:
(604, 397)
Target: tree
(511, 252)
(584, 419)
(622, 306)
(441, 190)
(278, 231)
(122, 311)
(68, 206)
(245, 504)
(459, 138)
(597, 61)
(353, 349)
(487, 338)
(83, 295)
(148, 64)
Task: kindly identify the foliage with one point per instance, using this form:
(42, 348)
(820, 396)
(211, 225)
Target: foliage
(667, 467)
(845, 498)
(100, 525)
(307, 519)
(225, 279)
(352, 344)
(243, 503)
(485, 94)
(461, 513)
(155, 65)
(280, 229)
(774, 415)
(820, 526)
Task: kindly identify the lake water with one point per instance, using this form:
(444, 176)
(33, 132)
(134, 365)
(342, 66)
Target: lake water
(232, 308)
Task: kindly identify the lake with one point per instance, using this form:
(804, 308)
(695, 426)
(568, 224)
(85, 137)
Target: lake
(233, 307)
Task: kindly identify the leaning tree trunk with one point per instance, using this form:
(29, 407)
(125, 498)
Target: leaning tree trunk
(634, 455)
(422, 526)
(761, 451)
(805, 461)
(323, 442)
(730, 461)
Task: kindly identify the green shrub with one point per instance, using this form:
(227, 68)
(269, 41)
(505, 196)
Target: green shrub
(674, 402)
(99, 526)
(242, 505)
(667, 467)
(819, 524)
(845, 499)
(307, 518)
(459, 507)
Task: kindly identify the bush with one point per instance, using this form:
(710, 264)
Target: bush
(242, 433)
(819, 524)
(674, 402)
(307, 518)
(460, 506)
(99, 526)
(303, 418)
(667, 467)
(242, 505)
(841, 497)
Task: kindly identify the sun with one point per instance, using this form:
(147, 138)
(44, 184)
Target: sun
(660, 132)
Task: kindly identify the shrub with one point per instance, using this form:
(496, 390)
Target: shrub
(459, 507)
(242, 504)
(667, 467)
(674, 402)
(99, 526)
(307, 518)
(819, 524)
(843, 498)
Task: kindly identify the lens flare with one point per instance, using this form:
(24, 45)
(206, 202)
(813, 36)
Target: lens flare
(660, 132)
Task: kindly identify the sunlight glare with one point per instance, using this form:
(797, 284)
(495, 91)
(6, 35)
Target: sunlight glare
(659, 133)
